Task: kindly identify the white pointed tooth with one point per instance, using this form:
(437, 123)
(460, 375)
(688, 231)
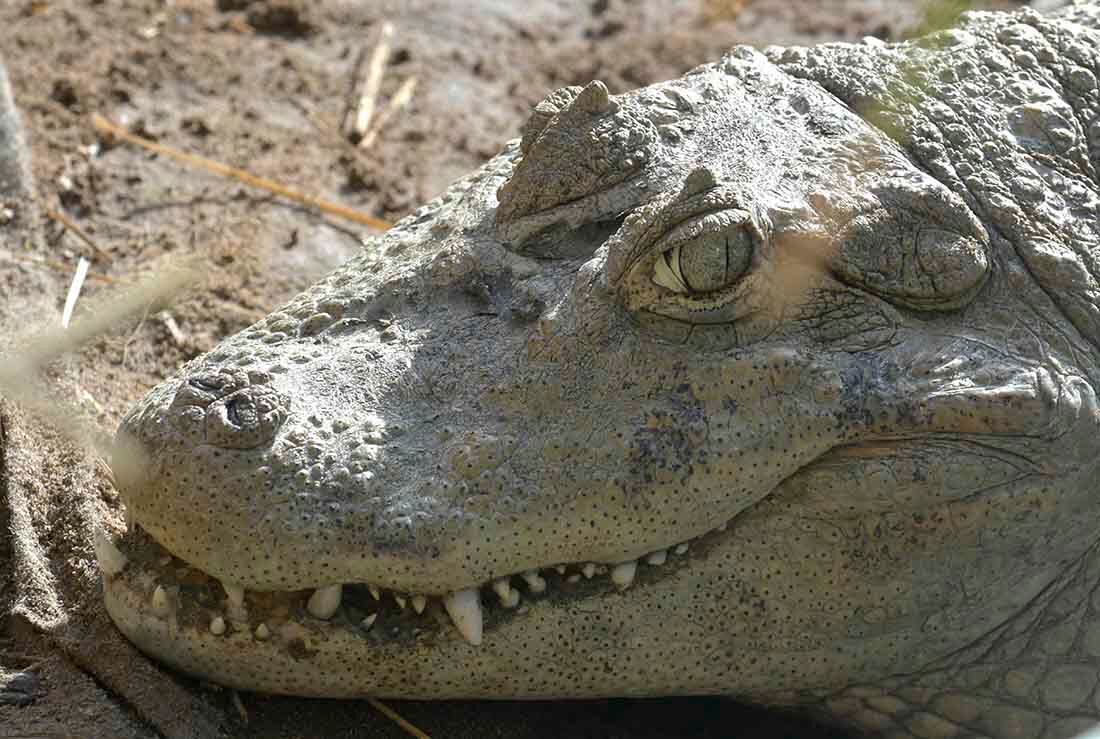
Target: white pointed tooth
(400, 600)
(262, 632)
(681, 548)
(375, 592)
(513, 600)
(367, 622)
(160, 601)
(235, 594)
(723, 526)
(623, 574)
(464, 609)
(503, 589)
(324, 601)
(560, 569)
(419, 602)
(111, 560)
(534, 581)
(589, 570)
(657, 558)
(217, 626)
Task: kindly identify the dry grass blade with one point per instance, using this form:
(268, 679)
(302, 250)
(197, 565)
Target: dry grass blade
(47, 345)
(397, 719)
(400, 99)
(102, 125)
(376, 69)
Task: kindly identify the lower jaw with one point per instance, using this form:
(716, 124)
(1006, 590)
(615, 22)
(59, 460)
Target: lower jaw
(528, 652)
(385, 647)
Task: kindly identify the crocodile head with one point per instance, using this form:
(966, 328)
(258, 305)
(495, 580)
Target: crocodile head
(703, 388)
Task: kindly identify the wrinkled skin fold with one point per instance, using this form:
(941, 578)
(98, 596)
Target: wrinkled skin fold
(825, 315)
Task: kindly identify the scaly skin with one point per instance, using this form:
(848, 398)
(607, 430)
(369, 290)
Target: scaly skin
(828, 314)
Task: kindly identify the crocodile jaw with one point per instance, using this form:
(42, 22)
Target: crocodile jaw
(543, 422)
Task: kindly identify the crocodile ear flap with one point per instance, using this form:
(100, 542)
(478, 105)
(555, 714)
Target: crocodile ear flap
(915, 244)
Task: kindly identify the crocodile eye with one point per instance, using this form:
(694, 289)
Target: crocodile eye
(710, 261)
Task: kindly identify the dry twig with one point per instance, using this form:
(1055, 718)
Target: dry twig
(394, 716)
(66, 222)
(103, 125)
(239, 705)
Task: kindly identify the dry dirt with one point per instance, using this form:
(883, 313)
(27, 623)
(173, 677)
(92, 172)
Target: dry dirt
(264, 85)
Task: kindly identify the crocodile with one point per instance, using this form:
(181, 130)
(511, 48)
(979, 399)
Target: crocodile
(777, 380)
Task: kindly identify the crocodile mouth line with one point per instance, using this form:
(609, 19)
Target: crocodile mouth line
(172, 590)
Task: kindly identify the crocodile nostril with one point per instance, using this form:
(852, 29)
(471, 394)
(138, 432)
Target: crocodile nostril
(246, 419)
(240, 412)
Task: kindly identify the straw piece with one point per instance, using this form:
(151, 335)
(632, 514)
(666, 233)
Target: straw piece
(400, 99)
(376, 69)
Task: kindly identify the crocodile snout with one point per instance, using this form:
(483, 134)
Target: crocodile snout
(229, 409)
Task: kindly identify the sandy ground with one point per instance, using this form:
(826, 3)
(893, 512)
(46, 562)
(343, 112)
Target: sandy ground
(264, 85)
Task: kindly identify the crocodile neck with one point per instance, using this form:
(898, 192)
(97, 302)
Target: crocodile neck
(1034, 677)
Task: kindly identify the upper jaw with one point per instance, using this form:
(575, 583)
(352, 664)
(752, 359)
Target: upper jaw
(149, 584)
(264, 518)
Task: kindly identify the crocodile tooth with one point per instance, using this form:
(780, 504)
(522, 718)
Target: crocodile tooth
(657, 558)
(400, 600)
(509, 598)
(464, 608)
(217, 626)
(160, 601)
(235, 594)
(560, 569)
(723, 526)
(375, 592)
(534, 581)
(681, 548)
(419, 602)
(623, 574)
(111, 560)
(324, 602)
(503, 589)
(367, 622)
(589, 570)
(262, 632)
